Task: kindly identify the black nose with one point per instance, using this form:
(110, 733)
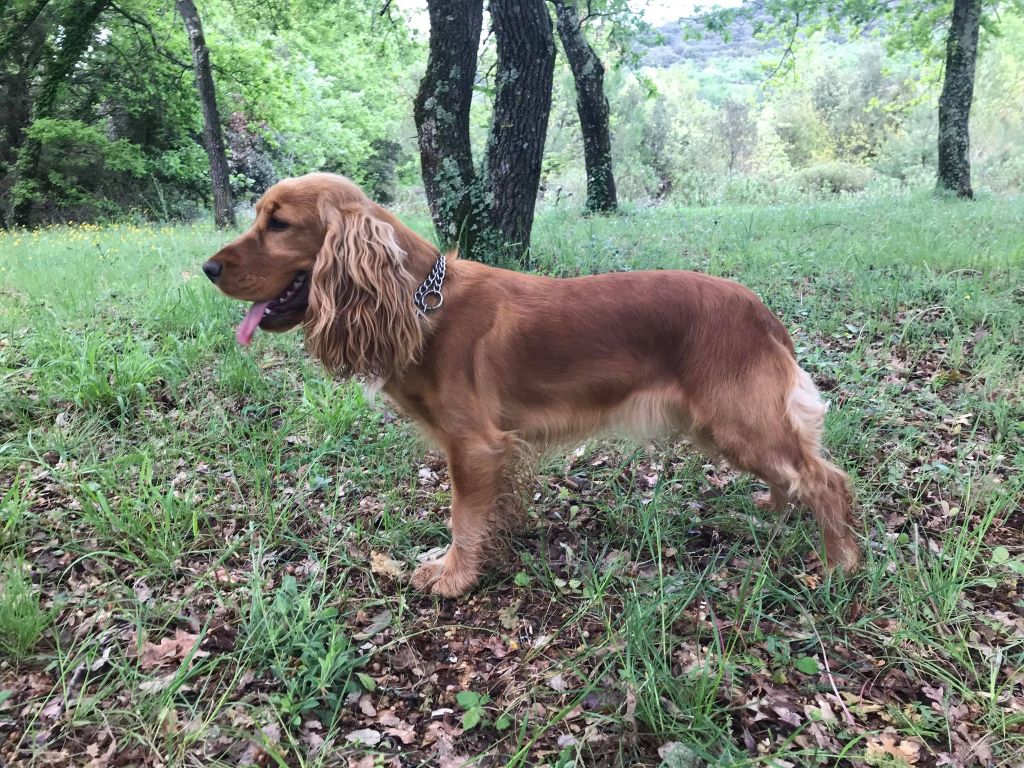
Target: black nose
(212, 269)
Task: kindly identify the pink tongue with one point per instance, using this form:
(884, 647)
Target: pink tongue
(252, 319)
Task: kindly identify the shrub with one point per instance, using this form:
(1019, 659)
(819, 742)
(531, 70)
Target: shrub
(833, 178)
(380, 170)
(81, 173)
(250, 157)
(181, 182)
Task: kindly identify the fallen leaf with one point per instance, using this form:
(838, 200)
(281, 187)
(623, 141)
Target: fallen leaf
(405, 733)
(557, 683)
(157, 684)
(676, 755)
(365, 736)
(378, 624)
(508, 617)
(366, 705)
(314, 742)
(396, 726)
(256, 752)
(383, 565)
(887, 746)
(170, 650)
(101, 760)
(435, 553)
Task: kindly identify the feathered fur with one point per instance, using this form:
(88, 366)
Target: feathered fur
(360, 317)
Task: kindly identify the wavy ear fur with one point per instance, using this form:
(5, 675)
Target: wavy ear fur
(362, 318)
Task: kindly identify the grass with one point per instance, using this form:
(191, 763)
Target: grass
(187, 528)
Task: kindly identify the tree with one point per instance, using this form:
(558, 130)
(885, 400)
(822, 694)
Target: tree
(739, 130)
(591, 106)
(17, 19)
(489, 214)
(99, 111)
(213, 138)
(956, 98)
(519, 124)
(441, 112)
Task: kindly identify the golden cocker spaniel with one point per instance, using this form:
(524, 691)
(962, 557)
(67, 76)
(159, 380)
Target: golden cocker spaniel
(492, 363)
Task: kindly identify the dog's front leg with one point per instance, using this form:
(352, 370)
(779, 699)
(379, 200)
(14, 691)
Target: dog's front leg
(476, 464)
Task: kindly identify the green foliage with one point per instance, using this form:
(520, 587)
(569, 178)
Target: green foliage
(80, 167)
(848, 115)
(304, 643)
(301, 87)
(722, 111)
(833, 178)
(23, 620)
(472, 705)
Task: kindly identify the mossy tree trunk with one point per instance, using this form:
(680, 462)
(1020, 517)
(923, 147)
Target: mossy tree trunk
(591, 106)
(213, 138)
(955, 101)
(487, 215)
(519, 124)
(441, 112)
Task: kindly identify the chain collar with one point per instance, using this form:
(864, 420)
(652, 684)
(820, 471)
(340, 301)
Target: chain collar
(428, 296)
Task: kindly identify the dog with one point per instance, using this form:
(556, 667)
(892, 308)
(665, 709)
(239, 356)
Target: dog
(492, 363)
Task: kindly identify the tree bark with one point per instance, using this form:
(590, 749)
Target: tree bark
(441, 111)
(213, 138)
(515, 146)
(957, 94)
(591, 106)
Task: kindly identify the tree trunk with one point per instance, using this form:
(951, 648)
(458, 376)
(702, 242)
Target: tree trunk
(515, 146)
(213, 139)
(957, 94)
(79, 29)
(15, 25)
(441, 112)
(591, 105)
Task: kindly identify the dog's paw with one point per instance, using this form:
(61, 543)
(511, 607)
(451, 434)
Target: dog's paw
(424, 577)
(845, 557)
(439, 578)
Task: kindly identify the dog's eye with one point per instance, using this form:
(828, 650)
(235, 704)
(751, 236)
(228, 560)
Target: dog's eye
(276, 225)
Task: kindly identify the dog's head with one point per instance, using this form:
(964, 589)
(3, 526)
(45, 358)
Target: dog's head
(321, 253)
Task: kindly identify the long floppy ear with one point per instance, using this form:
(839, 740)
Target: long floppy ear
(362, 318)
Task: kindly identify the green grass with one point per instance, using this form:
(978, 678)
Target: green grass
(159, 482)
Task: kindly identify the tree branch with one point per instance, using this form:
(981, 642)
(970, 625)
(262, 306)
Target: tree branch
(140, 22)
(788, 53)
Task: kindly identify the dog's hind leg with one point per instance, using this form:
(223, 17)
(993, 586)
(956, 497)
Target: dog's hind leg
(775, 433)
(777, 501)
(478, 465)
(818, 484)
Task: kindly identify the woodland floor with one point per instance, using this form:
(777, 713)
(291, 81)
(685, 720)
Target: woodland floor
(205, 550)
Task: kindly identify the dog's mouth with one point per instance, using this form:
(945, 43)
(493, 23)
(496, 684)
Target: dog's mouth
(279, 314)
